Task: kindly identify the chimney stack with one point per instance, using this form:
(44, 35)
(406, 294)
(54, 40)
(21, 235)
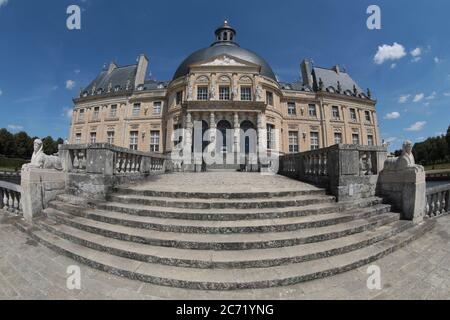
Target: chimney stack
(141, 70)
(306, 72)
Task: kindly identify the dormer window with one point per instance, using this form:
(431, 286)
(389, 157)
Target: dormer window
(116, 88)
(140, 87)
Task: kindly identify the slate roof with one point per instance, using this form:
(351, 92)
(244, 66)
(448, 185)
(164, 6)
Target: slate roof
(330, 79)
(118, 78)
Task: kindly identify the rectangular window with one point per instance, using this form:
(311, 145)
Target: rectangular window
(314, 140)
(113, 111)
(269, 98)
(353, 115)
(293, 141)
(179, 97)
(78, 138)
(96, 113)
(157, 107)
(337, 138)
(154, 141)
(202, 93)
(336, 115)
(291, 108)
(93, 137)
(224, 93)
(355, 138)
(246, 93)
(110, 137)
(271, 136)
(312, 111)
(368, 119)
(81, 115)
(134, 140)
(136, 109)
(370, 140)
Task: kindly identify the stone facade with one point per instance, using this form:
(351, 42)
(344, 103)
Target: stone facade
(224, 86)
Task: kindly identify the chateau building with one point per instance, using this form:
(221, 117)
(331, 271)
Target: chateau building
(226, 87)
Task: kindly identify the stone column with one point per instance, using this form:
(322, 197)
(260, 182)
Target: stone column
(187, 150)
(237, 138)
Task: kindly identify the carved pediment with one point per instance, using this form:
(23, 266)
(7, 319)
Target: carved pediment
(223, 61)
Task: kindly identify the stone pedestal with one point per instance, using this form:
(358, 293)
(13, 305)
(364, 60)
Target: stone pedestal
(406, 189)
(39, 187)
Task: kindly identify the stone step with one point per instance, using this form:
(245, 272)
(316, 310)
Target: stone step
(228, 279)
(219, 195)
(225, 227)
(228, 214)
(222, 241)
(222, 203)
(256, 258)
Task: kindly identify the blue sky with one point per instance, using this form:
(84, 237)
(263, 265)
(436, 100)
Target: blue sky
(43, 64)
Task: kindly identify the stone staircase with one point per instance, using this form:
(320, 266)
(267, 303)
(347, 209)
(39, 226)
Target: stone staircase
(222, 240)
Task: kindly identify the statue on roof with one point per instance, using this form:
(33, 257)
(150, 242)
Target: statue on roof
(355, 90)
(339, 87)
(369, 93)
(321, 84)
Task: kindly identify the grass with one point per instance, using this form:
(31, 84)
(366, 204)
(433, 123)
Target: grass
(11, 164)
(438, 167)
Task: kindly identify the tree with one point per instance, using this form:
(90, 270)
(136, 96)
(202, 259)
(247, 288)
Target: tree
(24, 145)
(7, 145)
(447, 137)
(49, 145)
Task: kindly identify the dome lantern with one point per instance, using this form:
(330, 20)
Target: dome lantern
(225, 34)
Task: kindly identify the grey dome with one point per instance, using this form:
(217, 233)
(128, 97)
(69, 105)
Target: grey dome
(221, 47)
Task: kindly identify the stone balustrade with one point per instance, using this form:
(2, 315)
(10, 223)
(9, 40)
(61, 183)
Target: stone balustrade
(438, 201)
(13, 177)
(94, 169)
(10, 197)
(347, 171)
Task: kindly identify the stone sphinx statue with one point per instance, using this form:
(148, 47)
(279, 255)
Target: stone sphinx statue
(405, 161)
(41, 160)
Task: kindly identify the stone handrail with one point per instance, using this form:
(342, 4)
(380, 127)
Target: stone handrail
(10, 197)
(94, 170)
(438, 200)
(109, 159)
(10, 176)
(438, 175)
(347, 171)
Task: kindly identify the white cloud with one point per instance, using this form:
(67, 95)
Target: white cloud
(418, 97)
(420, 139)
(404, 98)
(14, 127)
(387, 52)
(3, 3)
(447, 94)
(70, 84)
(426, 104)
(392, 115)
(54, 88)
(1, 92)
(431, 96)
(437, 60)
(419, 125)
(67, 112)
(416, 54)
(393, 66)
(77, 71)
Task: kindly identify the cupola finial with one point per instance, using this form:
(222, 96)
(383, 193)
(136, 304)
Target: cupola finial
(225, 33)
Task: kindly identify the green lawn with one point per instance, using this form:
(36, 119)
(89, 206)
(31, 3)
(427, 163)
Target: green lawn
(439, 167)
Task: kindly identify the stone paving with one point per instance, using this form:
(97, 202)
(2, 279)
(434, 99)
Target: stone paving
(222, 182)
(29, 270)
